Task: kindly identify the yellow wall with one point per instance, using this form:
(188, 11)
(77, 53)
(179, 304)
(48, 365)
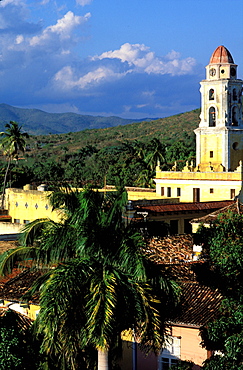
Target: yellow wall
(30, 310)
(221, 183)
(236, 155)
(28, 205)
(212, 142)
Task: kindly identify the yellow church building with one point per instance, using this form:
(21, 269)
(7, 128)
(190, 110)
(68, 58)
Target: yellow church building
(217, 173)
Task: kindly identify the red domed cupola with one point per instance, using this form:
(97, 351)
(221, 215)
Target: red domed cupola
(221, 55)
(221, 65)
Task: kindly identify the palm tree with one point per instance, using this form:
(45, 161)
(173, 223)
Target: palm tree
(100, 282)
(156, 153)
(12, 143)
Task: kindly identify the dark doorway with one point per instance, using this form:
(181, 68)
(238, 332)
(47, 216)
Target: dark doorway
(174, 227)
(187, 226)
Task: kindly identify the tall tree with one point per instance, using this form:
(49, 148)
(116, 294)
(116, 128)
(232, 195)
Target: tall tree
(13, 142)
(102, 283)
(155, 153)
(223, 246)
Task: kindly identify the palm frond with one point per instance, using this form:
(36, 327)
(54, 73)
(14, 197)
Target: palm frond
(13, 256)
(62, 319)
(33, 231)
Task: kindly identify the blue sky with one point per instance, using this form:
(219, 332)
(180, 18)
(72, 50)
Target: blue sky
(129, 58)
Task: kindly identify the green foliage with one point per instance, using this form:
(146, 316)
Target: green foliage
(99, 281)
(130, 152)
(182, 365)
(223, 244)
(12, 143)
(18, 349)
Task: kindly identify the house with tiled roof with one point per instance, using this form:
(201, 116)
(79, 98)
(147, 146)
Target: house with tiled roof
(199, 304)
(207, 220)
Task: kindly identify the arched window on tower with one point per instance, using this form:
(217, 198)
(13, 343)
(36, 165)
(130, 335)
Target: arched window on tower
(234, 117)
(211, 94)
(234, 95)
(212, 117)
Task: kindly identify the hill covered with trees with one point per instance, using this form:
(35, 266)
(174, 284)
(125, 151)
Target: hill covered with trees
(94, 156)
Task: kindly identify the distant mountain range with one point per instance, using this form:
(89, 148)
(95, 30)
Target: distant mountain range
(38, 122)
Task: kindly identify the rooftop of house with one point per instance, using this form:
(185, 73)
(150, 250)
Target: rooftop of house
(170, 249)
(235, 207)
(7, 245)
(184, 207)
(199, 303)
(23, 321)
(15, 285)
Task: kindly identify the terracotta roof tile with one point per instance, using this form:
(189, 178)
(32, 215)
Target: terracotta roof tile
(183, 207)
(15, 287)
(235, 207)
(200, 304)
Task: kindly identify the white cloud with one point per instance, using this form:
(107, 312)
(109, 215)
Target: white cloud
(19, 39)
(63, 28)
(141, 58)
(4, 3)
(127, 53)
(67, 78)
(130, 81)
(84, 2)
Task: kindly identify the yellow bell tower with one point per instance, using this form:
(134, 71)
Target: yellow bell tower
(219, 137)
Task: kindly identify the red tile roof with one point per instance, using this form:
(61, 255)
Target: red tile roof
(183, 207)
(199, 305)
(235, 207)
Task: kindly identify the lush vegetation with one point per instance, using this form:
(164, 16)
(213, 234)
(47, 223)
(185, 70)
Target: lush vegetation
(107, 155)
(223, 246)
(38, 122)
(97, 281)
(18, 348)
(12, 143)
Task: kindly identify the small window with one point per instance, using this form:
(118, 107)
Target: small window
(178, 192)
(211, 94)
(235, 146)
(211, 154)
(162, 191)
(212, 117)
(232, 193)
(168, 192)
(234, 94)
(165, 364)
(211, 191)
(17, 221)
(26, 221)
(234, 117)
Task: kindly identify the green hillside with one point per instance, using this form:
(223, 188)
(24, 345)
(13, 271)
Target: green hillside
(37, 122)
(168, 130)
(126, 153)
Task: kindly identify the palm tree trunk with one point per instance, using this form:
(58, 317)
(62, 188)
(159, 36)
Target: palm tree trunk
(103, 360)
(4, 182)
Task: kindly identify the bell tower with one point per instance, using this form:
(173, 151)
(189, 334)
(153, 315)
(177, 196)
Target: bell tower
(219, 137)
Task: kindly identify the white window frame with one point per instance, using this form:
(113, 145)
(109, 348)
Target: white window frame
(171, 351)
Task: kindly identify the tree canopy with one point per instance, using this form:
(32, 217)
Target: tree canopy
(97, 281)
(223, 246)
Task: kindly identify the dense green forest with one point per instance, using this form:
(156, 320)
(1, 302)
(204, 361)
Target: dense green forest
(126, 154)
